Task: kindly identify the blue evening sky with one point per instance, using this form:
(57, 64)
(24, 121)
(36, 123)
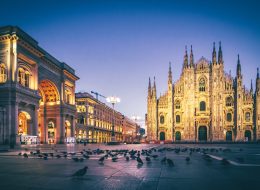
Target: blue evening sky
(114, 46)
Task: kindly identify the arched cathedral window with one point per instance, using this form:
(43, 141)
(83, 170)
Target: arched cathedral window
(177, 104)
(162, 119)
(229, 101)
(178, 118)
(229, 117)
(202, 85)
(202, 106)
(3, 76)
(247, 116)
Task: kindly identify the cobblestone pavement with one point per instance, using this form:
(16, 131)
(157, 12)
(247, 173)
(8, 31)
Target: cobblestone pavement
(241, 171)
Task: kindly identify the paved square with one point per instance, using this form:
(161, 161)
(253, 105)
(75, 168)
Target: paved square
(205, 170)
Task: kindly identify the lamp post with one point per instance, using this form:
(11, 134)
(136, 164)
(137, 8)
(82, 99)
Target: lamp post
(113, 100)
(137, 132)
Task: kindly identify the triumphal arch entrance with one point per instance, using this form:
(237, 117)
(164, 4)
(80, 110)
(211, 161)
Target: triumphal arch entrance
(37, 92)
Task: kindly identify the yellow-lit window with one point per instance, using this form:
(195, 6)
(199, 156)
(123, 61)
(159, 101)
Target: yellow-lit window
(3, 76)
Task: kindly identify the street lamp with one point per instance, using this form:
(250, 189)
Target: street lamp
(113, 100)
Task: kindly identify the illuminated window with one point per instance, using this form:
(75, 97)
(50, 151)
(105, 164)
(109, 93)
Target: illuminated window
(178, 118)
(177, 104)
(27, 79)
(247, 116)
(202, 106)
(3, 76)
(162, 119)
(51, 133)
(229, 117)
(202, 85)
(68, 95)
(229, 101)
(24, 77)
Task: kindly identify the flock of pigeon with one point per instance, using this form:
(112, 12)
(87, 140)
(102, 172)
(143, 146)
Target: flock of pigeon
(145, 154)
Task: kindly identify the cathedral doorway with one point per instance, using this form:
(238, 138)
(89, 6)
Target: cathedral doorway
(178, 136)
(229, 136)
(202, 133)
(248, 135)
(162, 136)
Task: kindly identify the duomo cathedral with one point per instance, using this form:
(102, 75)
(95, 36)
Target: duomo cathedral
(204, 104)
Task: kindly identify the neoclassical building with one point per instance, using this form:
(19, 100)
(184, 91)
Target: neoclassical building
(37, 99)
(204, 104)
(95, 120)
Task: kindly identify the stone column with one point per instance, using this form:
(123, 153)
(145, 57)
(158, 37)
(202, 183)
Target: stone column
(35, 121)
(13, 124)
(72, 131)
(60, 129)
(44, 127)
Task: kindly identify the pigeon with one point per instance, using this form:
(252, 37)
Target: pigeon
(170, 162)
(81, 172)
(101, 160)
(58, 156)
(81, 159)
(75, 159)
(139, 160)
(155, 156)
(148, 159)
(86, 156)
(114, 159)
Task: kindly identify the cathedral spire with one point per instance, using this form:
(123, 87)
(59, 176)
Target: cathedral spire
(214, 55)
(154, 85)
(220, 56)
(185, 63)
(149, 87)
(257, 81)
(238, 66)
(170, 74)
(251, 88)
(191, 57)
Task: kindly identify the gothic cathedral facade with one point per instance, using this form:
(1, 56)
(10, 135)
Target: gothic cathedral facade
(204, 104)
